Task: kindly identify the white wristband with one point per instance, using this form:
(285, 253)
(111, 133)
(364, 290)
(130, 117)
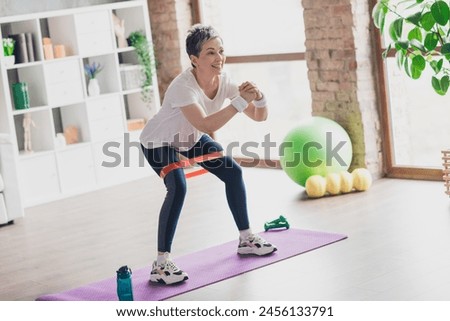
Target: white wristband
(260, 103)
(239, 103)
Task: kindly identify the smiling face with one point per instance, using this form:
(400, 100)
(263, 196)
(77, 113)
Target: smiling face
(211, 57)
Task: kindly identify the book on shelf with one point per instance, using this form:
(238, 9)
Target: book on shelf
(20, 49)
(30, 46)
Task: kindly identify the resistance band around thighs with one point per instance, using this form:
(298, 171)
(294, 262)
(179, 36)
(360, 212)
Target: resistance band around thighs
(189, 162)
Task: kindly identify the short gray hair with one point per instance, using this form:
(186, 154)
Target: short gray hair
(197, 35)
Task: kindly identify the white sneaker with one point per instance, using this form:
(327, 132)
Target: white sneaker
(255, 244)
(167, 273)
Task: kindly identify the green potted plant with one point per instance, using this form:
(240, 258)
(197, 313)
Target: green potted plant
(8, 51)
(144, 51)
(91, 71)
(420, 35)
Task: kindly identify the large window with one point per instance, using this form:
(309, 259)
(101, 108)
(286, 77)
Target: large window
(420, 119)
(416, 119)
(264, 43)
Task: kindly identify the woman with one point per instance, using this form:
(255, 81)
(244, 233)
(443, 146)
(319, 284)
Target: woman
(191, 108)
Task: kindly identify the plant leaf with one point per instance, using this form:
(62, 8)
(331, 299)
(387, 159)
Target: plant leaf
(406, 65)
(441, 31)
(433, 65)
(445, 84)
(436, 84)
(415, 18)
(379, 15)
(436, 65)
(439, 64)
(440, 86)
(415, 72)
(415, 33)
(395, 29)
(386, 51)
(427, 21)
(402, 45)
(419, 63)
(445, 50)
(431, 41)
(440, 12)
(400, 57)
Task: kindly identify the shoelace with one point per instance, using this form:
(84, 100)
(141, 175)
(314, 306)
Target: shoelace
(256, 239)
(170, 265)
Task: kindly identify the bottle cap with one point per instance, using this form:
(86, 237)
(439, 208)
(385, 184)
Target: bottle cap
(124, 272)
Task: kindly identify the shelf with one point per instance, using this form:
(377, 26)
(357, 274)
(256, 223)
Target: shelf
(131, 91)
(30, 110)
(24, 65)
(93, 98)
(126, 49)
(27, 155)
(73, 57)
(70, 128)
(72, 146)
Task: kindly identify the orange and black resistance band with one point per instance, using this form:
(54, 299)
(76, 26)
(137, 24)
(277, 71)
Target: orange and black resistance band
(189, 162)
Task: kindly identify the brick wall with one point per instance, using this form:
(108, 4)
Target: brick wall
(341, 73)
(168, 18)
(366, 75)
(184, 18)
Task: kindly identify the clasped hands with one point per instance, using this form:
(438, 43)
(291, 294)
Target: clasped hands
(249, 91)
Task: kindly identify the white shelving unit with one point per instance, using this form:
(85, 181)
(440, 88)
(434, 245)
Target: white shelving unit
(106, 152)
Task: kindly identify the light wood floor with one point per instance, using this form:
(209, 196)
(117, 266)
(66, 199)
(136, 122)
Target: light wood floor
(398, 245)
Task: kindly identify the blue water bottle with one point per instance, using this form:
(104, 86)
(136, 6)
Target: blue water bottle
(124, 286)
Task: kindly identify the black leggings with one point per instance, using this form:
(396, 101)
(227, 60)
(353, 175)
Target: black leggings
(225, 168)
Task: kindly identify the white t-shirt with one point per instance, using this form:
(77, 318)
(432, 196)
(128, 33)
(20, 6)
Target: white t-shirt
(169, 127)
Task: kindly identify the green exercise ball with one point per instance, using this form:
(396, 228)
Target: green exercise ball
(317, 146)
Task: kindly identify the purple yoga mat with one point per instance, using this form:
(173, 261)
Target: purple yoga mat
(204, 267)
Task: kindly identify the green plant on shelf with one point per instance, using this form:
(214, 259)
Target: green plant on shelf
(92, 70)
(420, 35)
(8, 46)
(144, 51)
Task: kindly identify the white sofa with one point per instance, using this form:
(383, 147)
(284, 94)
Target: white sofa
(3, 213)
(10, 200)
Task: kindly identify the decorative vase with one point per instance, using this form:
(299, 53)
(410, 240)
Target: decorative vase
(9, 60)
(93, 87)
